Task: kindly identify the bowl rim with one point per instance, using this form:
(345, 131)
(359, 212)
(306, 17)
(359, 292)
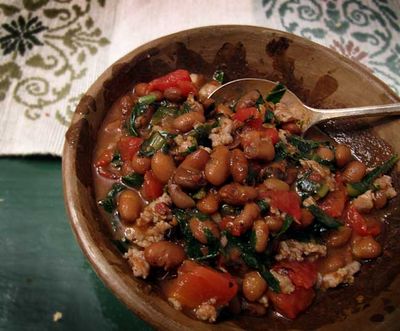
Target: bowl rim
(98, 261)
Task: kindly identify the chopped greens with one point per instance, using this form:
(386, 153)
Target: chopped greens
(355, 189)
(276, 93)
(305, 146)
(108, 202)
(306, 187)
(323, 218)
(133, 180)
(116, 160)
(162, 112)
(287, 222)
(152, 144)
(147, 99)
(264, 207)
(269, 116)
(229, 210)
(138, 110)
(219, 76)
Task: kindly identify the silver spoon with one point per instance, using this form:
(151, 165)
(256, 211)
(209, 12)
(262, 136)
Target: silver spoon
(233, 90)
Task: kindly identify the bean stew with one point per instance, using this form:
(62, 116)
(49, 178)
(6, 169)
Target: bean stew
(225, 206)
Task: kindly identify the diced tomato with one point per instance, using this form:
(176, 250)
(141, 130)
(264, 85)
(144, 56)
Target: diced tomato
(152, 187)
(303, 274)
(290, 305)
(359, 224)
(288, 202)
(104, 159)
(106, 173)
(128, 147)
(250, 116)
(196, 284)
(334, 203)
(179, 78)
(271, 133)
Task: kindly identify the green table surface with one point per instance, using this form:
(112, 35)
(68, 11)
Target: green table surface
(42, 269)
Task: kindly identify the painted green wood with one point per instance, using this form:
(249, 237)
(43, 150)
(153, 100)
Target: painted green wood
(42, 269)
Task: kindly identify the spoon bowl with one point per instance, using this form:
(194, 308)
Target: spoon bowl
(234, 89)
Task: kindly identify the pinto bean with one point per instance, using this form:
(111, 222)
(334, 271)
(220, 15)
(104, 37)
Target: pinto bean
(248, 100)
(257, 147)
(275, 184)
(292, 128)
(209, 204)
(180, 198)
(217, 168)
(236, 194)
(141, 89)
(342, 155)
(306, 217)
(354, 171)
(140, 164)
(325, 153)
(380, 200)
(198, 229)
(158, 95)
(186, 122)
(196, 160)
(173, 94)
(261, 232)
(366, 248)
(331, 263)
(254, 286)
(238, 166)
(339, 237)
(164, 254)
(246, 218)
(129, 205)
(274, 223)
(163, 166)
(189, 177)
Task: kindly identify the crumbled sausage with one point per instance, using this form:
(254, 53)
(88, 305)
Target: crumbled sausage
(285, 114)
(364, 202)
(384, 183)
(139, 265)
(222, 135)
(294, 250)
(207, 312)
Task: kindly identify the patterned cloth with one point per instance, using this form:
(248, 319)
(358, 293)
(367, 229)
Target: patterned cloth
(51, 51)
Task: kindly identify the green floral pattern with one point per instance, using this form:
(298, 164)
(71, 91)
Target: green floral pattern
(348, 26)
(52, 41)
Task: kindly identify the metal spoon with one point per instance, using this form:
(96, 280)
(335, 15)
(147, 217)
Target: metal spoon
(310, 116)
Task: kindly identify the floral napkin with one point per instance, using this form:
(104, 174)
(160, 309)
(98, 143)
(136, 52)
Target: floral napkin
(51, 51)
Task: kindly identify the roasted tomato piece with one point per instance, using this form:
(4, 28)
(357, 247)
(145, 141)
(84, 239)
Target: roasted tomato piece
(288, 202)
(290, 305)
(303, 274)
(360, 224)
(179, 78)
(196, 284)
(152, 187)
(128, 147)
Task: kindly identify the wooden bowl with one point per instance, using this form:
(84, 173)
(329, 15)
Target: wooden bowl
(321, 78)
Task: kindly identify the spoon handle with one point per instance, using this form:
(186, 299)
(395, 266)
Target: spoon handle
(382, 110)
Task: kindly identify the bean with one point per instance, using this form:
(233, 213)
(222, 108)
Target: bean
(246, 218)
(366, 248)
(186, 122)
(209, 204)
(254, 286)
(325, 153)
(261, 232)
(140, 164)
(207, 89)
(342, 155)
(224, 110)
(339, 237)
(331, 263)
(217, 168)
(164, 254)
(257, 147)
(190, 178)
(291, 175)
(238, 166)
(236, 194)
(196, 160)
(158, 94)
(173, 94)
(354, 171)
(380, 200)
(275, 184)
(163, 166)
(292, 127)
(141, 89)
(180, 198)
(198, 229)
(129, 206)
(248, 100)
(274, 223)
